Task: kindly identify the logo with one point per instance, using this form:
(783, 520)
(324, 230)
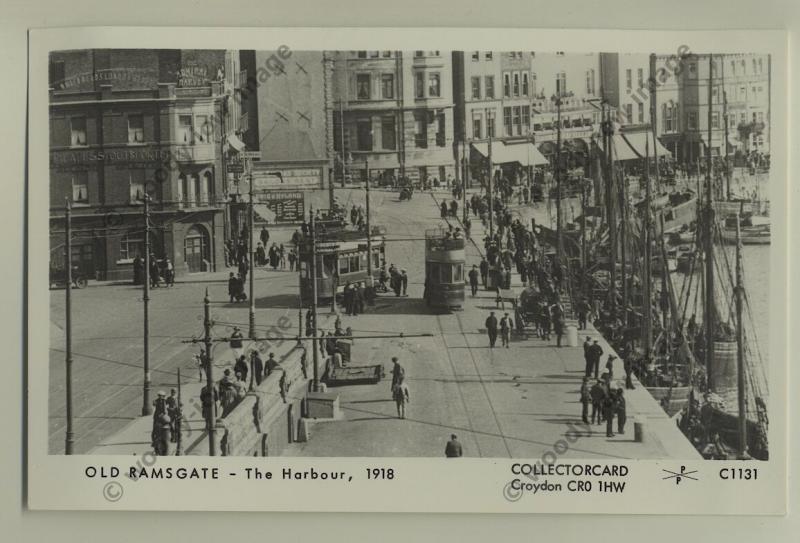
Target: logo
(679, 475)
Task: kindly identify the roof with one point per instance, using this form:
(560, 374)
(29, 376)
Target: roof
(503, 153)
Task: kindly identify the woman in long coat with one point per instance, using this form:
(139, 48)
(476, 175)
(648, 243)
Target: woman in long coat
(274, 257)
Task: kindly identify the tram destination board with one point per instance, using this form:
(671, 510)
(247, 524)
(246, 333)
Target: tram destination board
(288, 206)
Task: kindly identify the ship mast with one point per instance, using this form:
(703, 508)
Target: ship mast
(740, 342)
(708, 229)
(647, 312)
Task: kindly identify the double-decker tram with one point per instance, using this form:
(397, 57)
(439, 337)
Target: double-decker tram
(341, 259)
(444, 270)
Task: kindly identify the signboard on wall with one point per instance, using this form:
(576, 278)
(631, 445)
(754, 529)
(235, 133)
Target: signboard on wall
(290, 178)
(287, 205)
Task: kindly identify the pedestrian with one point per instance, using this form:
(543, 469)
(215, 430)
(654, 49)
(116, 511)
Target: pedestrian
(227, 393)
(453, 448)
(596, 352)
(162, 434)
(270, 364)
(609, 408)
(628, 365)
(258, 366)
(261, 255)
(349, 293)
(484, 269)
(292, 259)
(232, 287)
(491, 329)
(174, 412)
(444, 210)
(264, 236)
(209, 400)
(587, 357)
(241, 369)
(154, 271)
(282, 256)
(622, 415)
(243, 269)
(401, 397)
(236, 341)
(398, 372)
(360, 299)
(583, 311)
(610, 366)
(169, 273)
(598, 394)
(404, 282)
(505, 330)
(202, 364)
(473, 280)
(138, 270)
(586, 399)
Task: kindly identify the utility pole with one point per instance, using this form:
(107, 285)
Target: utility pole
(464, 169)
(369, 236)
(491, 203)
(177, 423)
(315, 385)
(709, 309)
(344, 150)
(725, 120)
(583, 238)
(209, 367)
(146, 407)
(610, 214)
(559, 244)
(70, 438)
(251, 333)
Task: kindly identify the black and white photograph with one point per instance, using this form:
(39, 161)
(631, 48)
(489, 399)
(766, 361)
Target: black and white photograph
(554, 264)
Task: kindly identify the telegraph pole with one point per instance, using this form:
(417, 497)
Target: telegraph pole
(211, 419)
(177, 423)
(491, 196)
(709, 316)
(464, 181)
(251, 265)
(146, 407)
(315, 384)
(369, 236)
(559, 245)
(70, 438)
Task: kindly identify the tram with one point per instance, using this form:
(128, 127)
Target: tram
(444, 270)
(339, 261)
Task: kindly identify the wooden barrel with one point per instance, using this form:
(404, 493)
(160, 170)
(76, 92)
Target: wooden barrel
(723, 366)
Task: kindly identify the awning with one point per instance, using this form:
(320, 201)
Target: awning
(235, 143)
(622, 151)
(637, 141)
(524, 153)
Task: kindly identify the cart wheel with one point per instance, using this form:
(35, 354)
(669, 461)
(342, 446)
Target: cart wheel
(81, 283)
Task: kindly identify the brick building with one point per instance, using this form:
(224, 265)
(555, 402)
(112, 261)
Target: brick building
(125, 123)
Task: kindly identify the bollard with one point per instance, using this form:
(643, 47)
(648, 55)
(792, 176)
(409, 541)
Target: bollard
(572, 336)
(638, 432)
(303, 431)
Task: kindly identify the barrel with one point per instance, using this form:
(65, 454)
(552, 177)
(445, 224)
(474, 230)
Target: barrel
(638, 431)
(723, 366)
(572, 335)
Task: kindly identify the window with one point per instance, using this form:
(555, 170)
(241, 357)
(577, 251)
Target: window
(507, 120)
(434, 85)
(419, 54)
(754, 116)
(754, 66)
(490, 124)
(761, 116)
(185, 129)
(364, 135)
(477, 120)
(419, 85)
(640, 77)
(525, 84)
(628, 80)
(388, 133)
(363, 86)
(590, 81)
(136, 182)
(743, 64)
(692, 70)
(344, 265)
(387, 86)
(714, 94)
(526, 119)
(131, 246)
(561, 84)
(362, 54)
(760, 66)
(488, 55)
(440, 132)
(421, 131)
(714, 119)
(507, 85)
(691, 120)
(476, 88)
(205, 134)
(516, 84)
(733, 68)
(517, 121)
(80, 188)
(533, 84)
(488, 84)
(135, 129)
(743, 118)
(387, 54)
(641, 113)
(743, 93)
(476, 55)
(56, 72)
(77, 131)
(732, 121)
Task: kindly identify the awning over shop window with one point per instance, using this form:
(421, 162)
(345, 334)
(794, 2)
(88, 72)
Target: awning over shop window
(502, 153)
(637, 141)
(235, 143)
(622, 150)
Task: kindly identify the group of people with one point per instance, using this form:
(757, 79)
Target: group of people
(157, 272)
(166, 421)
(606, 401)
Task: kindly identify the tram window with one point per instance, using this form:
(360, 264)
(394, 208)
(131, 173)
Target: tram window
(355, 263)
(344, 265)
(445, 272)
(458, 273)
(433, 272)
